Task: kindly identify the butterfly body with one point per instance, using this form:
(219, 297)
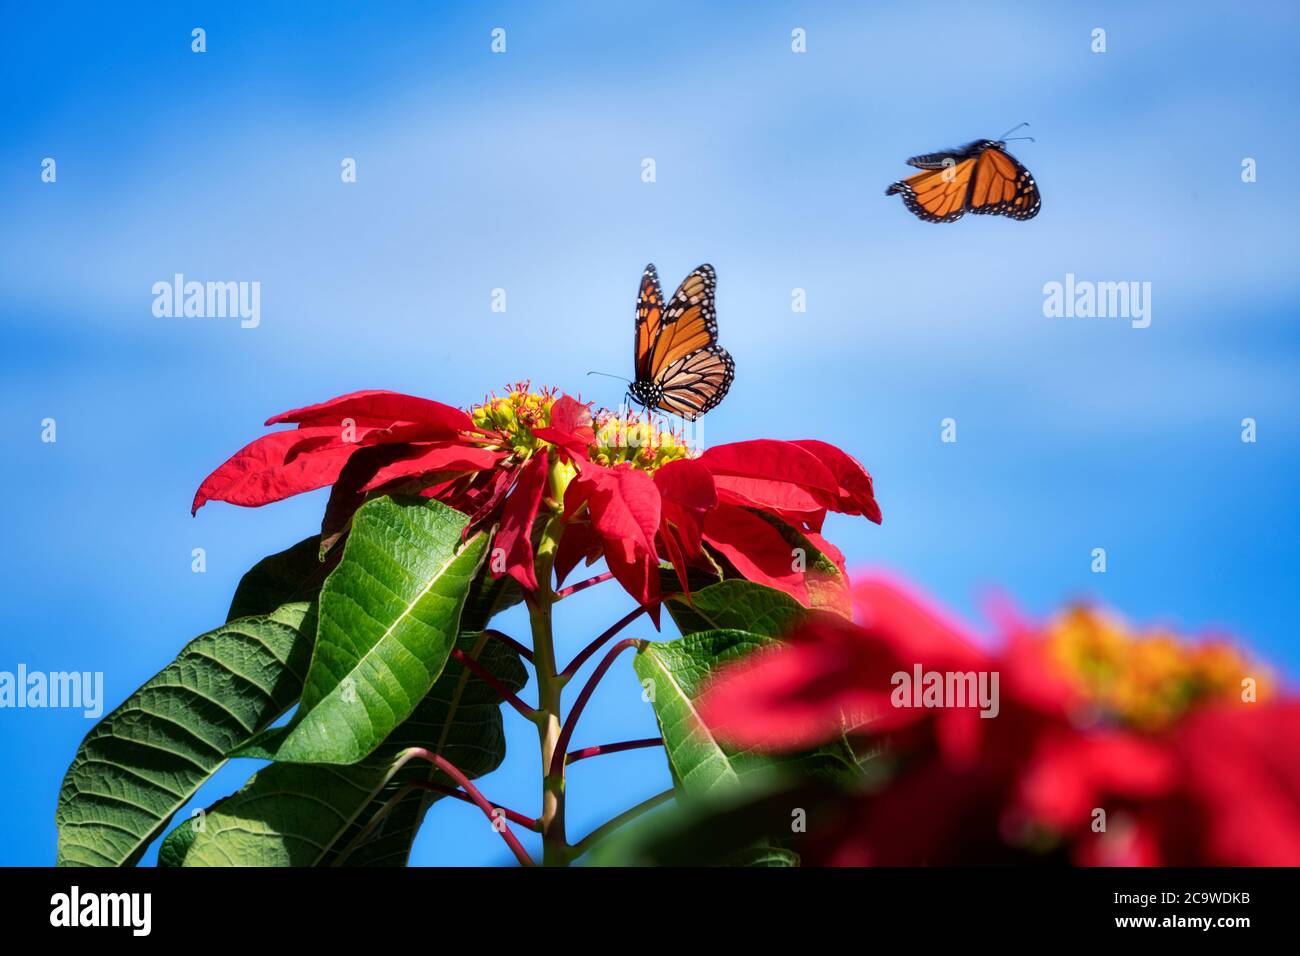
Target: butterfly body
(647, 394)
(680, 367)
(981, 178)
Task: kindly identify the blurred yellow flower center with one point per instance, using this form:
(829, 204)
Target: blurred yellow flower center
(1146, 680)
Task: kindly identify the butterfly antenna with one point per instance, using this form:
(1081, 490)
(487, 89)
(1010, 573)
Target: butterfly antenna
(607, 375)
(1003, 137)
(1014, 138)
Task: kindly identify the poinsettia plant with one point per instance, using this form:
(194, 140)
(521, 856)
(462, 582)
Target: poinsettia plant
(1102, 744)
(374, 636)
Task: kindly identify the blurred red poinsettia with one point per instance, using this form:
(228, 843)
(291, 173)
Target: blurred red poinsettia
(1173, 741)
(625, 488)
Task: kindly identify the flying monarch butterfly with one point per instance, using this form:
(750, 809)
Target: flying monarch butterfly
(680, 367)
(981, 178)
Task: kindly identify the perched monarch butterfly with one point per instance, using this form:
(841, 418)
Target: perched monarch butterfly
(680, 367)
(980, 178)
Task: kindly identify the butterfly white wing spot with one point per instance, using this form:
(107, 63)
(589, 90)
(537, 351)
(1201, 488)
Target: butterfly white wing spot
(683, 384)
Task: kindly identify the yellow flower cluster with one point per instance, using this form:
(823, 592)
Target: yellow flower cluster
(640, 439)
(1145, 680)
(636, 439)
(514, 416)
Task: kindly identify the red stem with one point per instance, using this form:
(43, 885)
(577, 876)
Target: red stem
(582, 585)
(450, 769)
(599, 749)
(558, 760)
(595, 645)
(459, 794)
(488, 677)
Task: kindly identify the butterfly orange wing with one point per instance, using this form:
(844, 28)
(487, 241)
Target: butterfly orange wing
(689, 321)
(680, 368)
(1003, 187)
(938, 195)
(696, 382)
(649, 320)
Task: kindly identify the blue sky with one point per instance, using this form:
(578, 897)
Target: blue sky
(521, 171)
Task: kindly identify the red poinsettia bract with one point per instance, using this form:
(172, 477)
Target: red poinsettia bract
(1185, 767)
(625, 490)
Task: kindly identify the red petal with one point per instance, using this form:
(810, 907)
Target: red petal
(580, 543)
(673, 551)
(833, 671)
(483, 497)
(570, 415)
(805, 522)
(1242, 775)
(916, 628)
(688, 483)
(757, 549)
(767, 495)
(688, 493)
(515, 535)
(771, 475)
(856, 495)
(347, 495)
(460, 494)
(767, 458)
(379, 407)
(625, 511)
(798, 694)
(408, 432)
(427, 459)
(1070, 773)
(277, 466)
(570, 427)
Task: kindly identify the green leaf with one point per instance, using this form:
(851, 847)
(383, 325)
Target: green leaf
(305, 815)
(470, 736)
(389, 616)
(172, 850)
(174, 846)
(769, 856)
(391, 845)
(736, 605)
(752, 825)
(145, 760)
(697, 578)
(295, 574)
(488, 597)
(700, 763)
(677, 670)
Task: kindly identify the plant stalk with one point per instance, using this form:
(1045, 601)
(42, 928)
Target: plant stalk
(550, 684)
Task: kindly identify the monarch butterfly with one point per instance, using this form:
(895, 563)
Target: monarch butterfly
(980, 178)
(680, 367)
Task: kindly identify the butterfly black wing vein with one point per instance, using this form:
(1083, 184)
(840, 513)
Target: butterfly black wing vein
(680, 368)
(981, 178)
